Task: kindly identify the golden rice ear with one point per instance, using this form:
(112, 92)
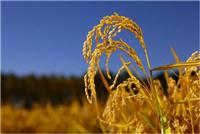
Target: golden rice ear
(112, 26)
(133, 54)
(107, 62)
(86, 89)
(111, 32)
(195, 57)
(91, 74)
(85, 51)
(117, 23)
(87, 47)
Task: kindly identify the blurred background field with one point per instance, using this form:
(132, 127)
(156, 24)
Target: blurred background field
(50, 103)
(42, 87)
(47, 118)
(46, 104)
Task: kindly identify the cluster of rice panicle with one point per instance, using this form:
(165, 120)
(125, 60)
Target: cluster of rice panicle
(133, 105)
(182, 104)
(121, 113)
(184, 97)
(103, 34)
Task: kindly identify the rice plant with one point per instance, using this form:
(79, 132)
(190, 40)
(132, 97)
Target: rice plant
(135, 105)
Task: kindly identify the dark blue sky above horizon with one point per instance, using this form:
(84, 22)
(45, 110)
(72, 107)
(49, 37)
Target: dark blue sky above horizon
(47, 37)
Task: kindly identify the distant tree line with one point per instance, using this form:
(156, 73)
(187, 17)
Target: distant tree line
(27, 90)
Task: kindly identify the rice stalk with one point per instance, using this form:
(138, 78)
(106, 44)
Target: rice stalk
(133, 102)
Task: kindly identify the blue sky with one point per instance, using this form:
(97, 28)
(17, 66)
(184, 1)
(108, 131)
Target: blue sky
(47, 37)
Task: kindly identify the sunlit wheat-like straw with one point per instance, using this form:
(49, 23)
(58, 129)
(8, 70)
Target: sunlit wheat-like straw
(190, 65)
(103, 34)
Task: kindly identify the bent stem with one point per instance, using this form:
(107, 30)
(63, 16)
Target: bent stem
(104, 79)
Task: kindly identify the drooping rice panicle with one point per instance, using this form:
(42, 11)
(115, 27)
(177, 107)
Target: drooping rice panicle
(120, 22)
(86, 88)
(107, 62)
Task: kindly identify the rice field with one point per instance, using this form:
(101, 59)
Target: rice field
(134, 105)
(49, 119)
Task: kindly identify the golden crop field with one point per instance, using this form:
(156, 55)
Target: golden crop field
(134, 105)
(48, 118)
